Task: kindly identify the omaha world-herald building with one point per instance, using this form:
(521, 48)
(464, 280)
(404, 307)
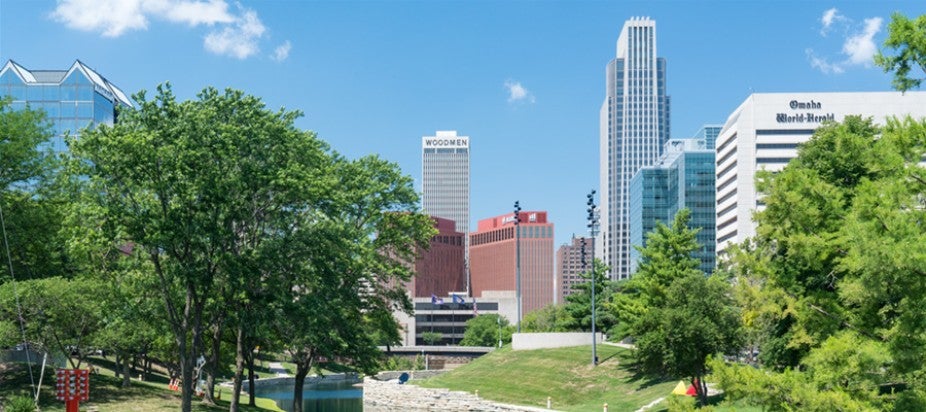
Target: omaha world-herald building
(764, 132)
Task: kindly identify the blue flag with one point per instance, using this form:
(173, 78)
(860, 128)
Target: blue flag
(436, 300)
(458, 299)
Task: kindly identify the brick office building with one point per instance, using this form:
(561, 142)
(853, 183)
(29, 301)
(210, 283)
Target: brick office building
(493, 258)
(569, 267)
(441, 269)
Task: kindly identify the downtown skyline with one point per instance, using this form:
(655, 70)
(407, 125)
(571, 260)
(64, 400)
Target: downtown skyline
(523, 80)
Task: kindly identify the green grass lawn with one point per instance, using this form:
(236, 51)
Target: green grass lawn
(107, 394)
(565, 374)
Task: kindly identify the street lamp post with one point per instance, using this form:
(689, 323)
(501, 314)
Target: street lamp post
(517, 246)
(593, 231)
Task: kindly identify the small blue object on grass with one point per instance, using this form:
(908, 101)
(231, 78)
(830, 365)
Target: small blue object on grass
(403, 378)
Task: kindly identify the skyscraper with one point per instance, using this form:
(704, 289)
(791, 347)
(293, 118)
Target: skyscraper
(634, 125)
(72, 99)
(445, 180)
(682, 178)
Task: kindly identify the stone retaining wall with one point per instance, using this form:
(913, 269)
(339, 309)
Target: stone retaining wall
(422, 374)
(379, 396)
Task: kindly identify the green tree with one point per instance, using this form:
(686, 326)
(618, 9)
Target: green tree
(699, 319)
(432, 338)
(200, 186)
(666, 258)
(349, 263)
(30, 209)
(907, 38)
(578, 303)
(835, 272)
(483, 330)
(550, 318)
(62, 315)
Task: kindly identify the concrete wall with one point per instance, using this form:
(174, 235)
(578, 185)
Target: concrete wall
(528, 341)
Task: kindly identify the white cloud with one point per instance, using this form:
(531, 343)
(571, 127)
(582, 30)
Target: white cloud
(517, 93)
(858, 45)
(861, 47)
(822, 64)
(282, 51)
(829, 17)
(238, 39)
(233, 34)
(113, 18)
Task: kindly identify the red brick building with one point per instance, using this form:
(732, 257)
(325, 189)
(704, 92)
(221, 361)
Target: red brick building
(442, 268)
(569, 265)
(492, 258)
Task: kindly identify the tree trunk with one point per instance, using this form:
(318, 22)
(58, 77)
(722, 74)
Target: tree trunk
(117, 364)
(302, 369)
(239, 368)
(186, 378)
(252, 401)
(700, 389)
(213, 364)
(126, 374)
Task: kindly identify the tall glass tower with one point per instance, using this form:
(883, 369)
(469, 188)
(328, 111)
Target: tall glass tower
(445, 180)
(682, 178)
(634, 126)
(72, 99)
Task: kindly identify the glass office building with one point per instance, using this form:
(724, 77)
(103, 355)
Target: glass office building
(683, 178)
(634, 127)
(72, 99)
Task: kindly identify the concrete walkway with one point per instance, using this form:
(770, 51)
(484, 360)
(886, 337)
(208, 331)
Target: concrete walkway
(650, 405)
(277, 369)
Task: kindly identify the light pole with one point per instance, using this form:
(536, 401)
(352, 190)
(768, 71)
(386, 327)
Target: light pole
(593, 231)
(498, 319)
(517, 247)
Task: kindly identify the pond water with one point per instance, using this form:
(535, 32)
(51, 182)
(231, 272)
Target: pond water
(334, 396)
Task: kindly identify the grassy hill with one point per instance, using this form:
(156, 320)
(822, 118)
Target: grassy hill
(565, 374)
(106, 393)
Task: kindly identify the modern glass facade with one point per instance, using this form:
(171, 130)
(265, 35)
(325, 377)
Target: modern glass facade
(634, 124)
(683, 178)
(709, 134)
(72, 99)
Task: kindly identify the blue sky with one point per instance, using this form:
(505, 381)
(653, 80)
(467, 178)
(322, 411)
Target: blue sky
(525, 80)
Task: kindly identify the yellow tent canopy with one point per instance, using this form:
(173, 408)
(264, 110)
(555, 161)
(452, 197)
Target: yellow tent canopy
(680, 389)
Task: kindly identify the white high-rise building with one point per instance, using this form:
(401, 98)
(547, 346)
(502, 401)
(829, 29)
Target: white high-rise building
(764, 133)
(445, 180)
(634, 129)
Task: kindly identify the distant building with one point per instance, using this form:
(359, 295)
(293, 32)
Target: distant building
(440, 269)
(493, 258)
(445, 179)
(72, 99)
(448, 316)
(682, 178)
(764, 132)
(634, 126)
(569, 267)
(709, 134)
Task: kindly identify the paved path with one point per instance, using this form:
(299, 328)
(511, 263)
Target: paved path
(379, 396)
(651, 404)
(277, 369)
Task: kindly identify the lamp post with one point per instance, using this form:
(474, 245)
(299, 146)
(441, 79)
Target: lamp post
(498, 319)
(517, 247)
(592, 231)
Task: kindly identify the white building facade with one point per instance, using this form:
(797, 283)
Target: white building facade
(764, 132)
(634, 127)
(445, 180)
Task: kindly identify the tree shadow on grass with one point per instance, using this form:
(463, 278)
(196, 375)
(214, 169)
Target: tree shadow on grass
(641, 377)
